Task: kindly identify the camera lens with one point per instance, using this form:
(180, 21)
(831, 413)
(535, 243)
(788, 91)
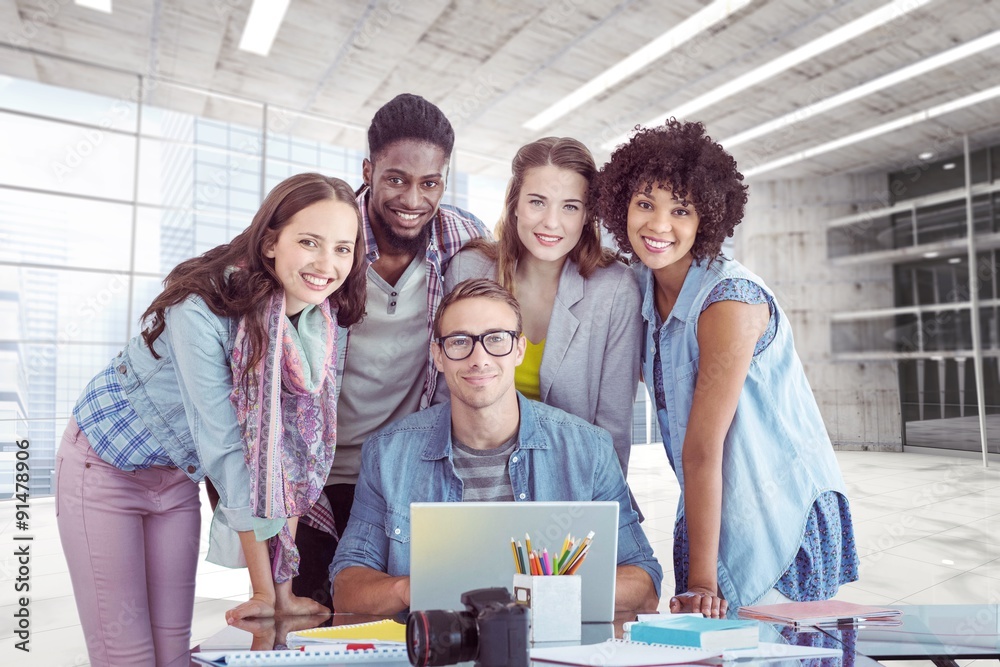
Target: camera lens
(441, 637)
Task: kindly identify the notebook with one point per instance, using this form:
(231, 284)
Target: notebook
(821, 612)
(717, 634)
(458, 547)
(395, 656)
(619, 653)
(385, 631)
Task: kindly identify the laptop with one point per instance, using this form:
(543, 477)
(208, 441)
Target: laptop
(458, 547)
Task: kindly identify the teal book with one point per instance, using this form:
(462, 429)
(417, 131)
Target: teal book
(716, 634)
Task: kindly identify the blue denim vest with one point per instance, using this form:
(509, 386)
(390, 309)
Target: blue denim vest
(777, 456)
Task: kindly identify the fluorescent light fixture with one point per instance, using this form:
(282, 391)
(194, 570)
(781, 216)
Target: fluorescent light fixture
(948, 166)
(99, 5)
(932, 254)
(947, 561)
(899, 76)
(926, 155)
(262, 25)
(878, 130)
(832, 39)
(955, 260)
(659, 47)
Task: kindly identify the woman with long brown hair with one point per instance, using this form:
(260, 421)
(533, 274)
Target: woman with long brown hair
(580, 305)
(233, 379)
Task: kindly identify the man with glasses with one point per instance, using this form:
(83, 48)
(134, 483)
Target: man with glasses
(487, 443)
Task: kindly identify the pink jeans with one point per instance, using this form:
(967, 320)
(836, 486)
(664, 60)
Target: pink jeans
(131, 542)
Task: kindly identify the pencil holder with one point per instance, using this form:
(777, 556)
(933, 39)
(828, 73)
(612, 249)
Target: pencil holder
(555, 605)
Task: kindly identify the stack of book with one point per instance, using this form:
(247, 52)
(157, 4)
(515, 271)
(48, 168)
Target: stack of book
(713, 634)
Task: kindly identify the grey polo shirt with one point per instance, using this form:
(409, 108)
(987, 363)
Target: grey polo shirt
(386, 365)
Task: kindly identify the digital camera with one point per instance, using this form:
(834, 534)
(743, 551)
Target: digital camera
(493, 632)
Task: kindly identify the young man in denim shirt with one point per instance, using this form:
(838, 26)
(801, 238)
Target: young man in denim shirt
(487, 443)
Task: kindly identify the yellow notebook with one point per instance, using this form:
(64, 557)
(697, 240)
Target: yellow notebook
(387, 630)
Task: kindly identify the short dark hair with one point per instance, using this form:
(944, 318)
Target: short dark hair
(477, 288)
(409, 116)
(683, 159)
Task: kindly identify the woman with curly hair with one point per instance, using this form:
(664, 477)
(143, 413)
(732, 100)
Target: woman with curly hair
(232, 379)
(763, 516)
(580, 305)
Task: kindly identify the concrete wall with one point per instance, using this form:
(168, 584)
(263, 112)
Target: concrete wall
(783, 239)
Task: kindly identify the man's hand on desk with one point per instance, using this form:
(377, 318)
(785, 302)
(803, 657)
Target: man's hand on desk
(634, 590)
(362, 590)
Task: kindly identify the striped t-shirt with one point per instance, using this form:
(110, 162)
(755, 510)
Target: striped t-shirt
(484, 472)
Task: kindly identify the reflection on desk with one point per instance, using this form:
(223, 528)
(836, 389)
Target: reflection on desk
(265, 634)
(940, 633)
(271, 633)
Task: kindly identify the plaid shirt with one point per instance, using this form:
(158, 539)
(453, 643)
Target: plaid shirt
(451, 228)
(114, 428)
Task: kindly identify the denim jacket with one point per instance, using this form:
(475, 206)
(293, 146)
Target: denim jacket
(183, 400)
(557, 457)
(777, 456)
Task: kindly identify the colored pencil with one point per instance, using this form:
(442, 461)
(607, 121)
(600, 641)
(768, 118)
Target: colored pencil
(575, 565)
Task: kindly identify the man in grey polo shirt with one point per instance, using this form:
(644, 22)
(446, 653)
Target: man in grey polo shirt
(387, 371)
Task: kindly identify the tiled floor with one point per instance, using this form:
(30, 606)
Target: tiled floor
(928, 528)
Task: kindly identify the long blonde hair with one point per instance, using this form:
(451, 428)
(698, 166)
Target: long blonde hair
(506, 252)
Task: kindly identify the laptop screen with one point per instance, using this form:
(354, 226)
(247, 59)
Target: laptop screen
(458, 547)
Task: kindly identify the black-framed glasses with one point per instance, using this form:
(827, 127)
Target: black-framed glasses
(497, 343)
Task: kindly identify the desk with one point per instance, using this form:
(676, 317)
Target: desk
(266, 634)
(939, 633)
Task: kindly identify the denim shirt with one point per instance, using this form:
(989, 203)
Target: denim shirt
(182, 399)
(557, 457)
(777, 457)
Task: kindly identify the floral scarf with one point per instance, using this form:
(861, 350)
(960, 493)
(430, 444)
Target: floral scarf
(288, 420)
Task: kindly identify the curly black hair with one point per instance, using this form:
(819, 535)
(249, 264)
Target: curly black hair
(409, 116)
(682, 159)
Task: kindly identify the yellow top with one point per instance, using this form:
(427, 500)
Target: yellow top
(526, 375)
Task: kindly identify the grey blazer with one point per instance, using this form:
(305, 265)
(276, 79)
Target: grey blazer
(590, 367)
